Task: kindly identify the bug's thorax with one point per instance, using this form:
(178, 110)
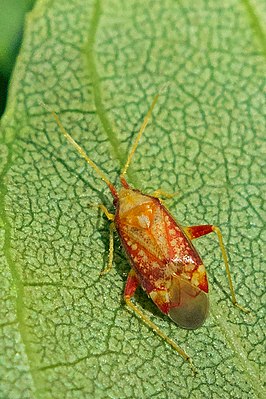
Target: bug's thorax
(135, 208)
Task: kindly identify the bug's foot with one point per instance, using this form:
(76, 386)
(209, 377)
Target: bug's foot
(241, 308)
(106, 270)
(193, 368)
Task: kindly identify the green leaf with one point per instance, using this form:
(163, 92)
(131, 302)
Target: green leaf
(65, 331)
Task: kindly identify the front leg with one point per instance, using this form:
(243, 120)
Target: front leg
(111, 217)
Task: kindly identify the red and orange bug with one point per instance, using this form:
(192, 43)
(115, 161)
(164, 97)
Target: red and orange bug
(163, 259)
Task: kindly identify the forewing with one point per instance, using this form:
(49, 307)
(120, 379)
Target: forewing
(188, 304)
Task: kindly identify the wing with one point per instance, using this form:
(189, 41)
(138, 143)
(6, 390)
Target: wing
(188, 305)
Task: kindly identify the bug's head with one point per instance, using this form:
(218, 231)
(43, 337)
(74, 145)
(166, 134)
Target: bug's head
(189, 304)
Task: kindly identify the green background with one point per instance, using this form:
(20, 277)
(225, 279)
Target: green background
(12, 14)
(65, 332)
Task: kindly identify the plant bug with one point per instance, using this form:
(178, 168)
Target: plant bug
(163, 259)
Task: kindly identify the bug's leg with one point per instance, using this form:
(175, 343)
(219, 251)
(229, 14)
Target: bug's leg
(199, 231)
(111, 217)
(111, 250)
(160, 193)
(131, 286)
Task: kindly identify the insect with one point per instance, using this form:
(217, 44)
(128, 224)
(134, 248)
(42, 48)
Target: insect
(162, 257)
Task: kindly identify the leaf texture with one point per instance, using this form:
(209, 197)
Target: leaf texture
(65, 332)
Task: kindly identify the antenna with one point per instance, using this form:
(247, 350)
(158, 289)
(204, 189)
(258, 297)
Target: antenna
(82, 152)
(136, 142)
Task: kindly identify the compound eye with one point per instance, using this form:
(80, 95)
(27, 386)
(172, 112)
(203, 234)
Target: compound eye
(188, 304)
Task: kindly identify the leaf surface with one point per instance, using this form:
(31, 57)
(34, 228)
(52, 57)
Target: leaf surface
(65, 332)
